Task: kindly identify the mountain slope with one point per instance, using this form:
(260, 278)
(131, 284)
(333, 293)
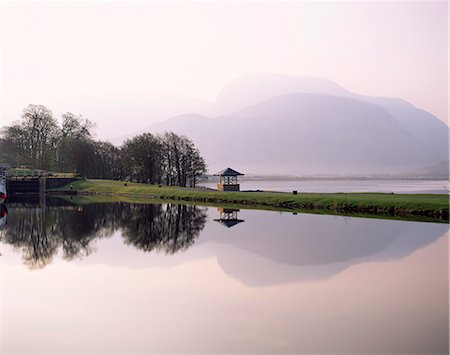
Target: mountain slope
(428, 129)
(253, 88)
(306, 134)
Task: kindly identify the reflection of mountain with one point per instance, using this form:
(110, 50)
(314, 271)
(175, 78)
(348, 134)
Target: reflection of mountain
(269, 248)
(315, 247)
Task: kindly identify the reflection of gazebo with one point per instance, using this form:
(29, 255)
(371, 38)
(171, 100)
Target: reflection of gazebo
(228, 180)
(228, 217)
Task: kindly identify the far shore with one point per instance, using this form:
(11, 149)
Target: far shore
(256, 177)
(418, 207)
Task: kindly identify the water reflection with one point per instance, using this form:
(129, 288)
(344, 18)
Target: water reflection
(278, 283)
(273, 248)
(270, 248)
(228, 217)
(3, 215)
(41, 231)
(153, 227)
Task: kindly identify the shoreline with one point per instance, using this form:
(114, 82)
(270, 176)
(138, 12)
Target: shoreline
(419, 207)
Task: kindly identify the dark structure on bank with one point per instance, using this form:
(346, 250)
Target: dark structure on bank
(37, 182)
(228, 180)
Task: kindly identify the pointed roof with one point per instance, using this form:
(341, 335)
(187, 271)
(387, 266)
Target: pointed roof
(229, 222)
(228, 172)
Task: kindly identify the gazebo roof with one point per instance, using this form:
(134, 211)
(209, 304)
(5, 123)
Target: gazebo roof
(228, 172)
(229, 222)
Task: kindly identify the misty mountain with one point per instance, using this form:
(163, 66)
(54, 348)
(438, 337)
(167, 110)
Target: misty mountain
(305, 133)
(253, 88)
(430, 130)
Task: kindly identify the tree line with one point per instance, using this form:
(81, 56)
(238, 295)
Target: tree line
(38, 141)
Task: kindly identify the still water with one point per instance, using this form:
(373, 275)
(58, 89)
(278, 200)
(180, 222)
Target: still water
(130, 278)
(330, 186)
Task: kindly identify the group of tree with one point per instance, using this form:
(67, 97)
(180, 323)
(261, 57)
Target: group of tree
(38, 141)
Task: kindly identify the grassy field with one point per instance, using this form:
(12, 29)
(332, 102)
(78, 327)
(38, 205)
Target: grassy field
(404, 206)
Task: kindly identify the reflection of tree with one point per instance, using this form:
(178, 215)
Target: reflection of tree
(184, 224)
(81, 225)
(28, 231)
(40, 233)
(150, 227)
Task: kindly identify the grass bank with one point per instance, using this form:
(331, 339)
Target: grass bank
(425, 207)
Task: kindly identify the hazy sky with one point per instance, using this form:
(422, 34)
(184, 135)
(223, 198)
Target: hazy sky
(53, 52)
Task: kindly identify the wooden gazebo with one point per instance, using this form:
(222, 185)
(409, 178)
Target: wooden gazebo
(228, 180)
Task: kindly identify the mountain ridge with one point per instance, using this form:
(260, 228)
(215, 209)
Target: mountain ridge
(381, 135)
(253, 135)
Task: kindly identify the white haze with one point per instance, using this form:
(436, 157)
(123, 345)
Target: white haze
(132, 66)
(125, 65)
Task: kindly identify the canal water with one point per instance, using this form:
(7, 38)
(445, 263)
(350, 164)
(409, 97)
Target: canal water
(135, 278)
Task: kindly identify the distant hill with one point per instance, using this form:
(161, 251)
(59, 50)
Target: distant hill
(257, 87)
(253, 88)
(306, 133)
(430, 130)
(281, 124)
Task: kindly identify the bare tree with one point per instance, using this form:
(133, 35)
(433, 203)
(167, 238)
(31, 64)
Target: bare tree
(33, 140)
(76, 127)
(181, 160)
(142, 158)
